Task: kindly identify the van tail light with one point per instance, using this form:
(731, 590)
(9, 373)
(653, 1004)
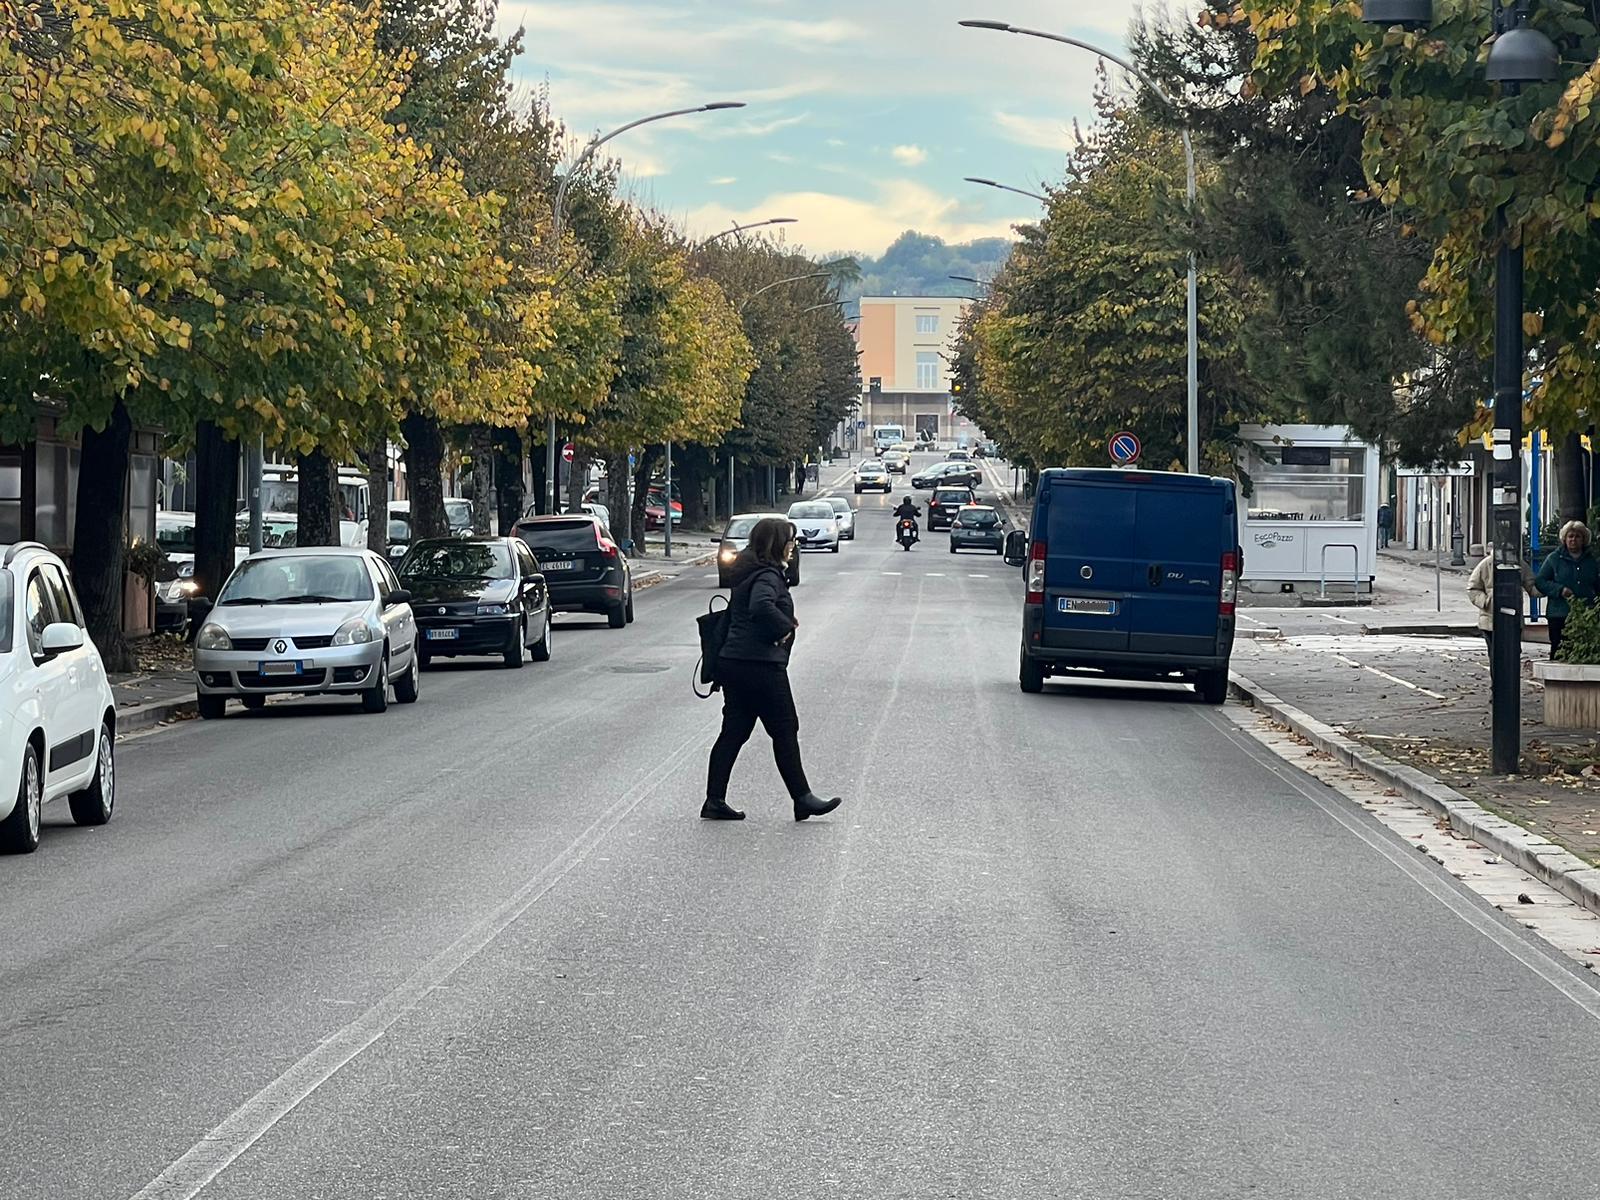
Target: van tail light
(1230, 583)
(1036, 574)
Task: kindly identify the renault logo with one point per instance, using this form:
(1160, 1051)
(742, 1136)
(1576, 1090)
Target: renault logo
(279, 646)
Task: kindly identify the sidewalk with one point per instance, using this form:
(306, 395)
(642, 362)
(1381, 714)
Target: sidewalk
(1423, 701)
(161, 690)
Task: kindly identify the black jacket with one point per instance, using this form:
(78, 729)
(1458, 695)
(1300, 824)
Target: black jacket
(761, 620)
(907, 509)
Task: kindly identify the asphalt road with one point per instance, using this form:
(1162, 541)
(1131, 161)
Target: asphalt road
(1089, 944)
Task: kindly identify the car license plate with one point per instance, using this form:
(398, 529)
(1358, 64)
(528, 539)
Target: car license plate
(280, 668)
(442, 635)
(1097, 608)
(559, 566)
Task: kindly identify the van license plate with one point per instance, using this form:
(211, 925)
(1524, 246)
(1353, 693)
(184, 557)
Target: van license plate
(1096, 608)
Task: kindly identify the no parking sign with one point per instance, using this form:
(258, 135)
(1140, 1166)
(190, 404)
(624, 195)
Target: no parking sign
(1125, 449)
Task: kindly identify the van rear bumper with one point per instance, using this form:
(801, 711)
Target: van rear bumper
(1120, 661)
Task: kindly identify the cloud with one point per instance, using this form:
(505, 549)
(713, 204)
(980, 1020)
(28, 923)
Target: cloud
(723, 181)
(1044, 133)
(909, 156)
(830, 222)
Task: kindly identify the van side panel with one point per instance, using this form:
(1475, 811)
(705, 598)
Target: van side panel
(1180, 538)
(1088, 531)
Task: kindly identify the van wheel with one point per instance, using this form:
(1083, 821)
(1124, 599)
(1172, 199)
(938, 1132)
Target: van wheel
(19, 833)
(1212, 686)
(1031, 675)
(92, 806)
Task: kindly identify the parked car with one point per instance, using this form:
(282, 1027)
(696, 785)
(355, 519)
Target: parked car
(584, 569)
(817, 523)
(952, 473)
(896, 462)
(959, 454)
(846, 515)
(281, 531)
(870, 473)
(457, 515)
(316, 620)
(478, 596)
(655, 509)
(59, 730)
(175, 538)
(736, 536)
(978, 527)
(945, 503)
(592, 507)
(1133, 574)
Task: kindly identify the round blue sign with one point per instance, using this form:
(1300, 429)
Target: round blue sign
(1125, 448)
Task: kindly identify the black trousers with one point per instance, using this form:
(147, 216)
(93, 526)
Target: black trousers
(751, 692)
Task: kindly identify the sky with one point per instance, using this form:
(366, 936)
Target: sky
(862, 118)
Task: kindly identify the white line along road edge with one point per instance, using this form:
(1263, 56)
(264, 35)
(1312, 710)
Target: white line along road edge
(220, 1148)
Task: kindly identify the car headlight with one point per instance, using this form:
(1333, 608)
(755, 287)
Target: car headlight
(728, 555)
(493, 610)
(354, 632)
(213, 637)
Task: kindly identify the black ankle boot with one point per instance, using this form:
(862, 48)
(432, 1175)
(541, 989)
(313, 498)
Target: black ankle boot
(813, 805)
(718, 810)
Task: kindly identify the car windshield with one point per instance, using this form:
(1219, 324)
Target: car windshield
(952, 496)
(299, 579)
(840, 504)
(399, 529)
(555, 538)
(459, 560)
(175, 535)
(979, 518)
(275, 534)
(458, 513)
(812, 511)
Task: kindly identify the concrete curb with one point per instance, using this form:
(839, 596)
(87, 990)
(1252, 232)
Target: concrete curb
(145, 716)
(1443, 629)
(658, 579)
(1538, 856)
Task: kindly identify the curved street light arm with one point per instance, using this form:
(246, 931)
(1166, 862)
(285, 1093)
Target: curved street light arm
(780, 282)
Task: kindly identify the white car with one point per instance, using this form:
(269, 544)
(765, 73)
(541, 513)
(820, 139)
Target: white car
(817, 523)
(60, 720)
(872, 474)
(846, 515)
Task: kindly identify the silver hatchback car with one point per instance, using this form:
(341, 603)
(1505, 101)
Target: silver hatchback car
(308, 621)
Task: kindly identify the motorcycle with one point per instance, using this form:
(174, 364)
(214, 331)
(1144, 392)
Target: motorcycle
(906, 533)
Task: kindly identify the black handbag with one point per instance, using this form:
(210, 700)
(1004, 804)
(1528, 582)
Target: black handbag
(713, 636)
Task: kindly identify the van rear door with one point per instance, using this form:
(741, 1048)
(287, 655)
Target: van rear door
(1176, 574)
(1089, 529)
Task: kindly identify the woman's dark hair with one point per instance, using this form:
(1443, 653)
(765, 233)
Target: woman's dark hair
(769, 541)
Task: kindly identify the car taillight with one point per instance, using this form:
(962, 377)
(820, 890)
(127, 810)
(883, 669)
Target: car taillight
(608, 548)
(1036, 573)
(1230, 583)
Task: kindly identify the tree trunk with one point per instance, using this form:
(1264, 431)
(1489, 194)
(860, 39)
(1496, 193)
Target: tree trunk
(538, 476)
(641, 493)
(424, 455)
(508, 478)
(97, 537)
(481, 441)
(216, 507)
(1569, 481)
(578, 478)
(317, 522)
(376, 459)
(692, 483)
(617, 496)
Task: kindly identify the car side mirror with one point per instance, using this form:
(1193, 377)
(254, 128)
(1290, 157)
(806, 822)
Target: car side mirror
(398, 596)
(59, 637)
(1016, 548)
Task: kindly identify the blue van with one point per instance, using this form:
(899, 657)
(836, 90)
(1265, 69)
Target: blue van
(1131, 573)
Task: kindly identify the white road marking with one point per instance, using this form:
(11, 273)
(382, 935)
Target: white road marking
(218, 1150)
(979, 576)
(1391, 678)
(894, 572)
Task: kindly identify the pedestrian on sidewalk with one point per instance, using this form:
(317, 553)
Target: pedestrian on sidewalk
(1480, 590)
(1571, 573)
(753, 672)
(1385, 526)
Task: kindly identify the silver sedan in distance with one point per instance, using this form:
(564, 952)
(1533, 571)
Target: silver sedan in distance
(310, 621)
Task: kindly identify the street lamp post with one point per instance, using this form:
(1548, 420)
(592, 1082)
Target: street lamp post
(1006, 187)
(1188, 162)
(740, 229)
(1518, 55)
(558, 221)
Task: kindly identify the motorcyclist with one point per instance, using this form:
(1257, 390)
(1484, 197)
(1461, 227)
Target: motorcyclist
(906, 508)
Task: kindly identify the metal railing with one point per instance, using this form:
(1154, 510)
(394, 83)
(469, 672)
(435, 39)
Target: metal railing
(1355, 567)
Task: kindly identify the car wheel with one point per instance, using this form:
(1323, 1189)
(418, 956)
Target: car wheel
(617, 617)
(92, 806)
(376, 698)
(211, 708)
(858, 491)
(834, 549)
(630, 606)
(1031, 675)
(541, 648)
(19, 833)
(424, 659)
(253, 703)
(1212, 686)
(512, 654)
(722, 581)
(407, 690)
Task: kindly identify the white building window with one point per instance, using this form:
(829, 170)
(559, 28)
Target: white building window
(927, 371)
(927, 322)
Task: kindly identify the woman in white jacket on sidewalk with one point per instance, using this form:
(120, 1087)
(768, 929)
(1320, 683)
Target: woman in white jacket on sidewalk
(1480, 590)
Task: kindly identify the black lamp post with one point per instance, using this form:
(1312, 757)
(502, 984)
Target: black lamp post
(1517, 56)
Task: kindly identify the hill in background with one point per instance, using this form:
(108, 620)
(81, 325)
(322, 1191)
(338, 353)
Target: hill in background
(918, 264)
